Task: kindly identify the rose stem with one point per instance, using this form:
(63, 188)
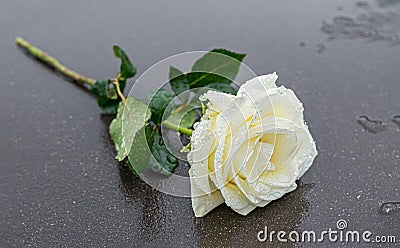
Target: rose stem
(177, 128)
(78, 78)
(53, 62)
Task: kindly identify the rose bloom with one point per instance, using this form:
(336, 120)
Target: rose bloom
(248, 149)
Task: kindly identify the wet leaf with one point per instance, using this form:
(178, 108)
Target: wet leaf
(139, 155)
(129, 120)
(174, 72)
(217, 66)
(162, 160)
(158, 102)
(179, 83)
(107, 97)
(109, 106)
(182, 116)
(127, 69)
(226, 88)
(100, 88)
(216, 69)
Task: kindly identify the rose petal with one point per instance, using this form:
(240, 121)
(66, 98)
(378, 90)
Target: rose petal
(235, 199)
(204, 203)
(257, 86)
(218, 101)
(259, 161)
(280, 102)
(262, 145)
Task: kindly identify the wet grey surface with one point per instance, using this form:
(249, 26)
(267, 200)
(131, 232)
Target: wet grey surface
(61, 187)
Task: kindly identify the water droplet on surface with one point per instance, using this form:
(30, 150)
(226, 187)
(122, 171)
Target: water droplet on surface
(362, 4)
(387, 3)
(371, 125)
(320, 48)
(396, 119)
(389, 207)
(372, 25)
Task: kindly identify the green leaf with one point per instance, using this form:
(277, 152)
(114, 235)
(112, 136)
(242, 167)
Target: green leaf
(115, 131)
(182, 116)
(139, 155)
(127, 69)
(174, 72)
(202, 79)
(162, 161)
(226, 88)
(217, 66)
(158, 102)
(219, 60)
(109, 106)
(188, 119)
(129, 120)
(107, 97)
(100, 88)
(148, 149)
(179, 83)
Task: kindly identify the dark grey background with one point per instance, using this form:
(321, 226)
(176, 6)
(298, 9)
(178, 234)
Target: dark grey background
(59, 183)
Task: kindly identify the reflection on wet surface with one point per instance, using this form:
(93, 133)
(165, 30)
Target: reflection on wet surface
(223, 227)
(152, 210)
(371, 125)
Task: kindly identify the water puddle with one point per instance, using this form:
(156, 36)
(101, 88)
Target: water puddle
(381, 23)
(389, 207)
(396, 119)
(387, 3)
(371, 125)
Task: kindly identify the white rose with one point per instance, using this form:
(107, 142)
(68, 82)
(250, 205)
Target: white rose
(249, 149)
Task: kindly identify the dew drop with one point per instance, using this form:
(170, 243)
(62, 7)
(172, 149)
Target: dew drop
(371, 125)
(389, 207)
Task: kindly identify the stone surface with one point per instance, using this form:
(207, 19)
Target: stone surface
(61, 187)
